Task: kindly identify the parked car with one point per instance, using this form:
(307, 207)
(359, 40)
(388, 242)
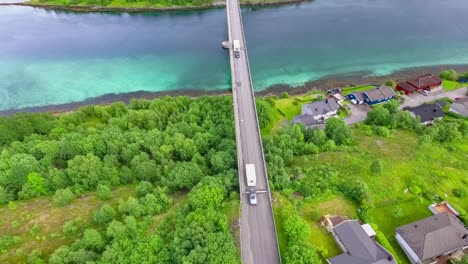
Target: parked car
(253, 197)
(425, 92)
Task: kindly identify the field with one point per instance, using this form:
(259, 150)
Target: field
(38, 223)
(452, 85)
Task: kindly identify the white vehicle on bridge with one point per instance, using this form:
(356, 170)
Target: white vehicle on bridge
(250, 175)
(236, 48)
(253, 197)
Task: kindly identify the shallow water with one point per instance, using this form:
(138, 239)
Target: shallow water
(49, 57)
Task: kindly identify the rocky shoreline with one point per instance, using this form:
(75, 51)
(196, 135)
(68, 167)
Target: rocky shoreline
(352, 79)
(79, 8)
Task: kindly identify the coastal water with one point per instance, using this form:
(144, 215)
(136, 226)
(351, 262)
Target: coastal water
(51, 57)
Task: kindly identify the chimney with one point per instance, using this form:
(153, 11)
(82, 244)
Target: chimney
(326, 101)
(435, 110)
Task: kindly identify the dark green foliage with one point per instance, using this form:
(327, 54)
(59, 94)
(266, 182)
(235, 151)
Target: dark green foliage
(301, 252)
(209, 193)
(70, 228)
(379, 116)
(35, 257)
(63, 197)
(390, 83)
(295, 228)
(337, 130)
(19, 126)
(184, 175)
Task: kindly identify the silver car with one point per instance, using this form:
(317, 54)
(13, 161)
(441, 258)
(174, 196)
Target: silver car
(253, 197)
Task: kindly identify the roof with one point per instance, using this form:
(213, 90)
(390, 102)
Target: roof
(369, 230)
(379, 93)
(321, 107)
(306, 120)
(460, 106)
(407, 87)
(358, 95)
(361, 248)
(434, 236)
(427, 112)
(425, 80)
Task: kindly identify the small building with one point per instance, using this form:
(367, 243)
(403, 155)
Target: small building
(424, 82)
(427, 113)
(317, 112)
(358, 246)
(460, 107)
(438, 208)
(433, 238)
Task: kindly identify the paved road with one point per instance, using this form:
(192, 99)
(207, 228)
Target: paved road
(257, 229)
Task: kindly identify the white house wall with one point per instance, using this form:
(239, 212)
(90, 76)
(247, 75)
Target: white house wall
(413, 258)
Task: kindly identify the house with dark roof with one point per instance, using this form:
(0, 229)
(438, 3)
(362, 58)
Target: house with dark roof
(428, 113)
(433, 238)
(358, 246)
(460, 107)
(424, 82)
(373, 96)
(317, 112)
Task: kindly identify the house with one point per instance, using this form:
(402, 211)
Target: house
(433, 238)
(428, 112)
(441, 207)
(424, 82)
(358, 245)
(317, 112)
(373, 96)
(379, 95)
(460, 107)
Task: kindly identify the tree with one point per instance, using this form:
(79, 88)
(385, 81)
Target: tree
(19, 167)
(301, 252)
(103, 192)
(184, 175)
(92, 240)
(209, 193)
(144, 188)
(5, 196)
(390, 83)
(35, 257)
(86, 171)
(34, 187)
(376, 166)
(63, 197)
(221, 161)
(391, 106)
(131, 207)
(294, 227)
(379, 116)
(450, 75)
(104, 215)
(337, 130)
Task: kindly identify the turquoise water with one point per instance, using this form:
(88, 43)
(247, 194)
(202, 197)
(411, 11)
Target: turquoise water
(49, 57)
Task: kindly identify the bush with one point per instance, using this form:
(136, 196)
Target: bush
(70, 229)
(376, 167)
(63, 197)
(459, 192)
(284, 95)
(381, 131)
(390, 83)
(337, 130)
(103, 192)
(450, 75)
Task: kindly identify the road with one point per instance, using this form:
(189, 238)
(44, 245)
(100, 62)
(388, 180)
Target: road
(417, 99)
(257, 228)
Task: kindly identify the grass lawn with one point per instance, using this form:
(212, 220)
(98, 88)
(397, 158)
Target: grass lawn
(438, 168)
(348, 90)
(287, 108)
(452, 85)
(231, 210)
(38, 223)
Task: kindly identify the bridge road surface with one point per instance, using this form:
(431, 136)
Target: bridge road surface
(259, 244)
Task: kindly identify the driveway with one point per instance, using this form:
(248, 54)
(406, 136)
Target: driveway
(358, 113)
(417, 99)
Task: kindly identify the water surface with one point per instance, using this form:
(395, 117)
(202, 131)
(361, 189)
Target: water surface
(49, 57)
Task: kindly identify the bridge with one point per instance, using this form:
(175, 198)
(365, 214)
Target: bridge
(258, 237)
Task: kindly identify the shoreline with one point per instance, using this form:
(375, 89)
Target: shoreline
(80, 8)
(323, 84)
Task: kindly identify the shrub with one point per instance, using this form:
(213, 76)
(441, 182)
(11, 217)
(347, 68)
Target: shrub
(381, 131)
(103, 192)
(12, 205)
(143, 188)
(459, 192)
(284, 95)
(63, 197)
(376, 167)
(69, 228)
(390, 83)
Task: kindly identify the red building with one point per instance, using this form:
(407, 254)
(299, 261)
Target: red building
(423, 82)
